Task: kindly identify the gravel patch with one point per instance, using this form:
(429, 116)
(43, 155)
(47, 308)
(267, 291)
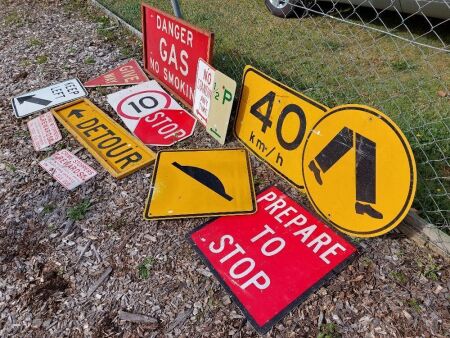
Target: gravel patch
(85, 263)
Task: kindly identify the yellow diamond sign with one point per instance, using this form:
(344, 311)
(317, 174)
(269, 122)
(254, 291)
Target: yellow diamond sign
(273, 120)
(203, 182)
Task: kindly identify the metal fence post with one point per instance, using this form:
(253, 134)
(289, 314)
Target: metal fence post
(176, 8)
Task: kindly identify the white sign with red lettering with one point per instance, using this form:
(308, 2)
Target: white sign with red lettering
(204, 86)
(152, 114)
(44, 131)
(213, 100)
(67, 169)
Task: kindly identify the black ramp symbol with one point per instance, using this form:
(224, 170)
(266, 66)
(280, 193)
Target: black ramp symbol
(365, 167)
(204, 177)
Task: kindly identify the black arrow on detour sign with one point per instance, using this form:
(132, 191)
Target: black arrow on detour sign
(204, 177)
(76, 112)
(32, 99)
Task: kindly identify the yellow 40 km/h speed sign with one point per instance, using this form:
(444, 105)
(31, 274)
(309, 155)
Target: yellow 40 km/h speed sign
(359, 170)
(273, 121)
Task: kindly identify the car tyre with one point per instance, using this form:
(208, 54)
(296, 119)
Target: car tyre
(287, 8)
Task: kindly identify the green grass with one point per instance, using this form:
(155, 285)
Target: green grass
(337, 63)
(41, 59)
(79, 211)
(35, 42)
(89, 60)
(13, 18)
(399, 277)
(144, 268)
(414, 304)
(48, 208)
(328, 330)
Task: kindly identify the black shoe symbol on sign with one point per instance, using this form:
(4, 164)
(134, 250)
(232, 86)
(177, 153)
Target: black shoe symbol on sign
(365, 167)
(206, 178)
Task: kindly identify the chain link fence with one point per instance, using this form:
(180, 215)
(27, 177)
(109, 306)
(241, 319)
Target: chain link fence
(390, 54)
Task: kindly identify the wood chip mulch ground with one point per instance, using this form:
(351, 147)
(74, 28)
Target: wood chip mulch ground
(85, 263)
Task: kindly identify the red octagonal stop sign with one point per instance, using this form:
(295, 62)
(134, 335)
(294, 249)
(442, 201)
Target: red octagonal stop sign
(165, 127)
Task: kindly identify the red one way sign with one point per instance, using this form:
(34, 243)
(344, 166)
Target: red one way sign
(271, 260)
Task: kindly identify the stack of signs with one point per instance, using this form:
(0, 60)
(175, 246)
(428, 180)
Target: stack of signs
(272, 260)
(353, 161)
(118, 151)
(172, 48)
(67, 169)
(52, 96)
(127, 74)
(44, 131)
(213, 100)
(152, 114)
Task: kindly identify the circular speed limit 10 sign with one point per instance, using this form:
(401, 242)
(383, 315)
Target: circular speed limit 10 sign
(152, 115)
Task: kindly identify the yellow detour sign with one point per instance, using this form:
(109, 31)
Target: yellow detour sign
(359, 170)
(273, 120)
(204, 182)
(118, 151)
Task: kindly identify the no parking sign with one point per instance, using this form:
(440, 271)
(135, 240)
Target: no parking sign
(152, 115)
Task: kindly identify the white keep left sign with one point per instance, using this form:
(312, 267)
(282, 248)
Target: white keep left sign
(48, 97)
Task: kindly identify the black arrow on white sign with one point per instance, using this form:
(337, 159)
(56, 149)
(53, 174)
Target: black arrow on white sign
(32, 99)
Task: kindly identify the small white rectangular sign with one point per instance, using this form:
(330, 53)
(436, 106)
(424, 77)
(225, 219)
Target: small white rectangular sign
(204, 85)
(213, 100)
(67, 169)
(44, 131)
(48, 97)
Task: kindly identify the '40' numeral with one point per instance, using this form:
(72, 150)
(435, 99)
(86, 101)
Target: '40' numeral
(269, 98)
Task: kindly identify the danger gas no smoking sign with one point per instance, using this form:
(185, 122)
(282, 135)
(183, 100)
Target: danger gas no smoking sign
(271, 260)
(172, 48)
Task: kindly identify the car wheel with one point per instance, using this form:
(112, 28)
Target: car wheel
(287, 8)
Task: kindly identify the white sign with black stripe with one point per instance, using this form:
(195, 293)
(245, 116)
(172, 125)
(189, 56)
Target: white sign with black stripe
(48, 97)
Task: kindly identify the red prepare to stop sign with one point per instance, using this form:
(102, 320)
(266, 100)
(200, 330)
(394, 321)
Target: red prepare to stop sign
(272, 260)
(172, 48)
(165, 127)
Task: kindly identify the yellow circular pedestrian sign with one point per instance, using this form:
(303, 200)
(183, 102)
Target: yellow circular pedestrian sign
(359, 170)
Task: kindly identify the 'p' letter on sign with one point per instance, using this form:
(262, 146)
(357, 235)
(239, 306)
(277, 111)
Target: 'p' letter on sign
(172, 48)
(272, 260)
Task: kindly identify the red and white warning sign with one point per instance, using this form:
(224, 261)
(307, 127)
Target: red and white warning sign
(172, 48)
(204, 86)
(272, 260)
(67, 169)
(152, 114)
(44, 131)
(129, 73)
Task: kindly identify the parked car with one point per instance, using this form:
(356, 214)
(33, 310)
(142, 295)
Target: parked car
(432, 8)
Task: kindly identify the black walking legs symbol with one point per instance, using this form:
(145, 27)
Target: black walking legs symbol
(365, 167)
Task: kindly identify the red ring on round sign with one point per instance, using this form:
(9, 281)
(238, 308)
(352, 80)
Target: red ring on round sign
(119, 106)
